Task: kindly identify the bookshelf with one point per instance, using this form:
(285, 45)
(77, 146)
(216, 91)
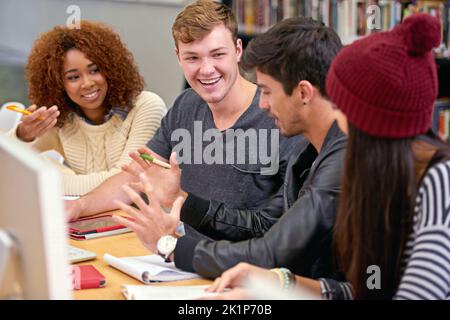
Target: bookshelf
(349, 19)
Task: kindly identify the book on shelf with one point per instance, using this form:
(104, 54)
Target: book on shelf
(443, 125)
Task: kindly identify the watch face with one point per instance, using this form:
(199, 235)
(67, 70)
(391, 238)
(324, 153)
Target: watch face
(166, 244)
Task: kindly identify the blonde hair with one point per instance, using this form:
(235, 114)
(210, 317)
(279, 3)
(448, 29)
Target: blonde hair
(199, 18)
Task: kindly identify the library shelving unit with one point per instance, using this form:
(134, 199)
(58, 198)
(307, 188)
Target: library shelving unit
(348, 18)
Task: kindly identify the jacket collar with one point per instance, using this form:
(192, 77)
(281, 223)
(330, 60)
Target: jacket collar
(333, 133)
(306, 161)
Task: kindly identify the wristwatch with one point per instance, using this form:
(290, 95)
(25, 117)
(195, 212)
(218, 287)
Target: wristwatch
(166, 246)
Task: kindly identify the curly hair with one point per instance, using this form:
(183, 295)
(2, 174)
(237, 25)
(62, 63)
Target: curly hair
(44, 69)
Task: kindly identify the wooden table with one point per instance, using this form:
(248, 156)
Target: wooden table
(122, 245)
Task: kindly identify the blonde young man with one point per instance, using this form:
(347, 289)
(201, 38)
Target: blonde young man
(220, 105)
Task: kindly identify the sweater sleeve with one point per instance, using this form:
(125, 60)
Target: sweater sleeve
(427, 272)
(335, 290)
(150, 109)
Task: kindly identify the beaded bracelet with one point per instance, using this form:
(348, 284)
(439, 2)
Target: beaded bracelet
(287, 278)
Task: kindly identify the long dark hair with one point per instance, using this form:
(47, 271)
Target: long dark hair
(376, 206)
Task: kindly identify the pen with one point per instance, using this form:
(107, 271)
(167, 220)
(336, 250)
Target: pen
(23, 111)
(154, 160)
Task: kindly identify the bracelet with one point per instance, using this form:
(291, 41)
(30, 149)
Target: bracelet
(287, 278)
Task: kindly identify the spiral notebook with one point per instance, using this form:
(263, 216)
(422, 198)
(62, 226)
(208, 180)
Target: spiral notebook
(147, 269)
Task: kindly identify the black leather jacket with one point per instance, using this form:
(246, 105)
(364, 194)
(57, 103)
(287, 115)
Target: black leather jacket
(215, 220)
(300, 240)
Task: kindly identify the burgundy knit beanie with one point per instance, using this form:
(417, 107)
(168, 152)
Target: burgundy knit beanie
(386, 84)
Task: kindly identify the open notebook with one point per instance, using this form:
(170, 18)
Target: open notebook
(148, 269)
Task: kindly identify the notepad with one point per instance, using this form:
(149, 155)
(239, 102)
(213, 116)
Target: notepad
(132, 292)
(147, 269)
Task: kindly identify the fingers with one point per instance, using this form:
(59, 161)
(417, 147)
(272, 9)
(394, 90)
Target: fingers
(35, 113)
(131, 211)
(230, 278)
(132, 169)
(225, 282)
(72, 211)
(126, 222)
(150, 152)
(221, 283)
(32, 108)
(46, 116)
(137, 186)
(32, 119)
(148, 189)
(51, 112)
(41, 114)
(174, 164)
(139, 161)
(214, 286)
(135, 198)
(176, 207)
(38, 122)
(70, 216)
(44, 125)
(149, 213)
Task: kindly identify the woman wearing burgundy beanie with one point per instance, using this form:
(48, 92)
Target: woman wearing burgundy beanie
(392, 232)
(394, 210)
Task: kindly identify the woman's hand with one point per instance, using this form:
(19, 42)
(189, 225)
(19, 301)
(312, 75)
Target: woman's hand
(36, 124)
(73, 209)
(237, 275)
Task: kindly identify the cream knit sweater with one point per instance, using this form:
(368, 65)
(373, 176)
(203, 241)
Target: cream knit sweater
(96, 152)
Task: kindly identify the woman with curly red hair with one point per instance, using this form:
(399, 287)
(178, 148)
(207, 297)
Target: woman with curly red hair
(88, 103)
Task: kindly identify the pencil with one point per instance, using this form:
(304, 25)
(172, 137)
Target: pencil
(23, 111)
(155, 161)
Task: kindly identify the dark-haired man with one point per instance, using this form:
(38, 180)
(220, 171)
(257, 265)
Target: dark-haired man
(291, 62)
